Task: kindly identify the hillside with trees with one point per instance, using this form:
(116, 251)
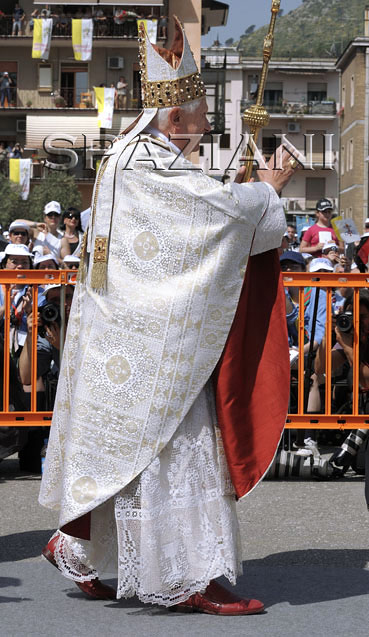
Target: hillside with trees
(318, 28)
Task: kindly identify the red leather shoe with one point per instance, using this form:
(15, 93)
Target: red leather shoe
(93, 588)
(219, 601)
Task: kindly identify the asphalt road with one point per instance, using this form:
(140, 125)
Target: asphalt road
(305, 551)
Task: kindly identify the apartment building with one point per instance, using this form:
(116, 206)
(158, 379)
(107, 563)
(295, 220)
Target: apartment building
(56, 97)
(301, 97)
(354, 128)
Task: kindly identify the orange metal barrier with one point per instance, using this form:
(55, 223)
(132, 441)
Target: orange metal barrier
(329, 281)
(299, 420)
(32, 278)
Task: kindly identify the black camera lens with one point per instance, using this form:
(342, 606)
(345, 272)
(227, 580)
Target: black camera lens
(344, 322)
(50, 313)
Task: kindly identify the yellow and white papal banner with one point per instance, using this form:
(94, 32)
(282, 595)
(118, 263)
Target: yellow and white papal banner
(82, 32)
(151, 27)
(42, 28)
(105, 106)
(20, 173)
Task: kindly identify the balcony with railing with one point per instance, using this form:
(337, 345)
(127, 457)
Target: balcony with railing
(105, 26)
(293, 109)
(63, 98)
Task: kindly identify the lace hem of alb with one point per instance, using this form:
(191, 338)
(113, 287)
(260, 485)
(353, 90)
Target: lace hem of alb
(179, 594)
(71, 557)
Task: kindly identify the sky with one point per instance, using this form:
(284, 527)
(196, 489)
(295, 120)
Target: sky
(242, 14)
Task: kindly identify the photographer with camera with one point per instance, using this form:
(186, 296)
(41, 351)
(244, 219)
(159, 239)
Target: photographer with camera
(48, 339)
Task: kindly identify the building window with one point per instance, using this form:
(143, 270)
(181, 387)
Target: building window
(270, 142)
(225, 141)
(317, 92)
(343, 96)
(343, 160)
(253, 84)
(314, 190)
(273, 96)
(45, 76)
(73, 82)
(352, 91)
(347, 157)
(351, 154)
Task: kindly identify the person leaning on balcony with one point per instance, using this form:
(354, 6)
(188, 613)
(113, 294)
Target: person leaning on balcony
(48, 237)
(321, 232)
(5, 84)
(18, 20)
(122, 87)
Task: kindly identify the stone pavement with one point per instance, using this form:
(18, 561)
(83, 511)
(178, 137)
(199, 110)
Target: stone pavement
(306, 556)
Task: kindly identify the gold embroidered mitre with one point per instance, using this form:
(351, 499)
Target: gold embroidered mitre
(169, 77)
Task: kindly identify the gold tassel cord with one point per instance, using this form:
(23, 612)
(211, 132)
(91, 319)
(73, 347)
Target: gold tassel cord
(256, 116)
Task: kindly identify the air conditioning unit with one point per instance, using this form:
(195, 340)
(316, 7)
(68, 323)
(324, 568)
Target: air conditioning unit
(115, 63)
(21, 126)
(293, 127)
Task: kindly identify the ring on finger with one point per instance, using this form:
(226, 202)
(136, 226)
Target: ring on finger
(292, 163)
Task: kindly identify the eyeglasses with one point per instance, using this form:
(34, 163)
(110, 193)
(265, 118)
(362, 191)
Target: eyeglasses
(21, 233)
(71, 215)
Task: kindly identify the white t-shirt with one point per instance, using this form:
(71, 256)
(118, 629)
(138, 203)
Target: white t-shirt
(50, 241)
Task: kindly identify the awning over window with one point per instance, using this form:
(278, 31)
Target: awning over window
(38, 127)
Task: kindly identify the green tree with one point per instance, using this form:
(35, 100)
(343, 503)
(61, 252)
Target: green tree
(57, 186)
(12, 206)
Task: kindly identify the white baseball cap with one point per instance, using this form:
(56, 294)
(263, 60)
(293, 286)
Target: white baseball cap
(18, 225)
(320, 264)
(52, 206)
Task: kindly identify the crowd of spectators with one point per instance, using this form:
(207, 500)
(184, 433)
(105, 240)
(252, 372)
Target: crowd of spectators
(319, 250)
(49, 245)
(115, 21)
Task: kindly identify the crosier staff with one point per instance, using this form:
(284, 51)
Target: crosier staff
(256, 116)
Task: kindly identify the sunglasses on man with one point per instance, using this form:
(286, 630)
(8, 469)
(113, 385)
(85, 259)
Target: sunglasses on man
(20, 233)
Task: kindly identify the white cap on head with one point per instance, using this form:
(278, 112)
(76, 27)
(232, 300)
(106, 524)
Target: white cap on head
(52, 206)
(17, 250)
(41, 258)
(71, 258)
(320, 264)
(18, 225)
(330, 244)
(366, 220)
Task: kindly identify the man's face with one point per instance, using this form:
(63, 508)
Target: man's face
(325, 215)
(53, 296)
(52, 220)
(18, 236)
(291, 266)
(291, 232)
(193, 123)
(14, 262)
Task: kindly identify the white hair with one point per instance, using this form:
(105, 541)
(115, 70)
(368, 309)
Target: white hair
(161, 118)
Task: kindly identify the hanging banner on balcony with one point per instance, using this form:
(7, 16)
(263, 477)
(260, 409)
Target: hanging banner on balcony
(82, 31)
(105, 106)
(20, 173)
(151, 27)
(42, 28)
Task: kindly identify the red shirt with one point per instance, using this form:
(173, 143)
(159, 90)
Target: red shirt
(314, 235)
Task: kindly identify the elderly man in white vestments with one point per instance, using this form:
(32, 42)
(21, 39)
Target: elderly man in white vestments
(136, 462)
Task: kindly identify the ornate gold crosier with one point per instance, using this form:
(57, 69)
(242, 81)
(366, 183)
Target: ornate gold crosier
(256, 116)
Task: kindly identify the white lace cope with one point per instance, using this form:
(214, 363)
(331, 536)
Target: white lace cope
(175, 524)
